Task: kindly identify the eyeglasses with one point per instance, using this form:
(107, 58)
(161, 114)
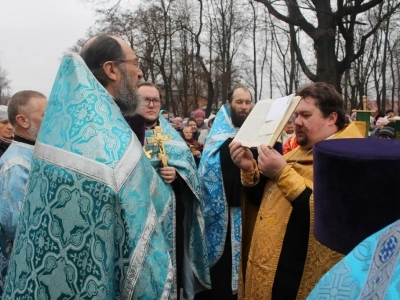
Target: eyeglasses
(147, 101)
(136, 61)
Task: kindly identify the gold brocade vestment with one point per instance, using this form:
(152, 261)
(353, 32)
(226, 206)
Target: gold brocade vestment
(270, 223)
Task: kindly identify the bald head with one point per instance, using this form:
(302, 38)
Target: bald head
(116, 66)
(100, 49)
(87, 43)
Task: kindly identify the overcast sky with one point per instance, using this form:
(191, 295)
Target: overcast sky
(34, 34)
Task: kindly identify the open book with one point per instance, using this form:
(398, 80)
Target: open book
(266, 121)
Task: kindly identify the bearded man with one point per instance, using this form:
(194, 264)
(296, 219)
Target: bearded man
(281, 258)
(221, 182)
(90, 226)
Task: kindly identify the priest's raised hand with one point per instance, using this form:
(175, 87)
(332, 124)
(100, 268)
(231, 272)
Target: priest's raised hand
(270, 161)
(241, 156)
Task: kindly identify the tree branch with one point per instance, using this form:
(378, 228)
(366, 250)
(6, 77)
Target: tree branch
(376, 27)
(295, 18)
(356, 9)
(300, 59)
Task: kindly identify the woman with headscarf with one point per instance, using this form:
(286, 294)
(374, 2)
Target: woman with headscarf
(195, 147)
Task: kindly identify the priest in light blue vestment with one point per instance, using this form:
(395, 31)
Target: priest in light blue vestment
(217, 214)
(195, 269)
(15, 165)
(370, 271)
(90, 227)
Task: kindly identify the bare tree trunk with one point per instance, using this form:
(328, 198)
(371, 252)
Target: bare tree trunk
(270, 67)
(254, 51)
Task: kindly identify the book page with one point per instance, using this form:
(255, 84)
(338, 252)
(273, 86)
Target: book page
(253, 121)
(261, 126)
(278, 108)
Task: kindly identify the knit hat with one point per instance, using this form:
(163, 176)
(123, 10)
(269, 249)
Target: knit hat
(387, 131)
(3, 113)
(199, 113)
(174, 121)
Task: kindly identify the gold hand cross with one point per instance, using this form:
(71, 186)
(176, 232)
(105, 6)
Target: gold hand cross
(159, 139)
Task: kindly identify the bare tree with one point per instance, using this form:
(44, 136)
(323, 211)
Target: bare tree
(4, 85)
(330, 20)
(230, 25)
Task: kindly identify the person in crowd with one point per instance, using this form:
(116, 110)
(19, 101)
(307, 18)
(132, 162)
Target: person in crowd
(290, 144)
(205, 132)
(25, 112)
(390, 113)
(179, 124)
(186, 239)
(221, 182)
(288, 131)
(374, 125)
(199, 117)
(387, 132)
(280, 251)
(195, 147)
(89, 227)
(192, 123)
(6, 130)
(380, 123)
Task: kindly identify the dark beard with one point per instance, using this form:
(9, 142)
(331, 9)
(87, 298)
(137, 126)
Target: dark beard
(126, 96)
(237, 120)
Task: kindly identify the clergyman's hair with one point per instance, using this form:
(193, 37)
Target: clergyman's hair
(328, 100)
(150, 84)
(230, 94)
(18, 100)
(98, 50)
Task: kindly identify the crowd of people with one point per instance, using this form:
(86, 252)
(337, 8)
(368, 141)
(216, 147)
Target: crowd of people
(104, 195)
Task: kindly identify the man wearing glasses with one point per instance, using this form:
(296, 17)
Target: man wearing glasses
(90, 225)
(187, 242)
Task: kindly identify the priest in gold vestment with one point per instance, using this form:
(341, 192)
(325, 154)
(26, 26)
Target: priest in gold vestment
(281, 259)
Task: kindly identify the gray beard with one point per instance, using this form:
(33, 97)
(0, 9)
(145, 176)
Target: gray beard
(33, 132)
(126, 96)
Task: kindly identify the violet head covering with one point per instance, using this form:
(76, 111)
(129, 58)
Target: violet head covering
(355, 190)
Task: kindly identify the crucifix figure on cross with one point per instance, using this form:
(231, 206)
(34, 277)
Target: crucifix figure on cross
(159, 139)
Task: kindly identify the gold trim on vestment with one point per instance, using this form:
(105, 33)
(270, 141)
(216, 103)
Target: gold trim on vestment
(271, 223)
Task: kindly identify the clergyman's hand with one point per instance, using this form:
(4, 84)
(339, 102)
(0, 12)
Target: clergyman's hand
(168, 174)
(270, 161)
(241, 156)
(196, 153)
